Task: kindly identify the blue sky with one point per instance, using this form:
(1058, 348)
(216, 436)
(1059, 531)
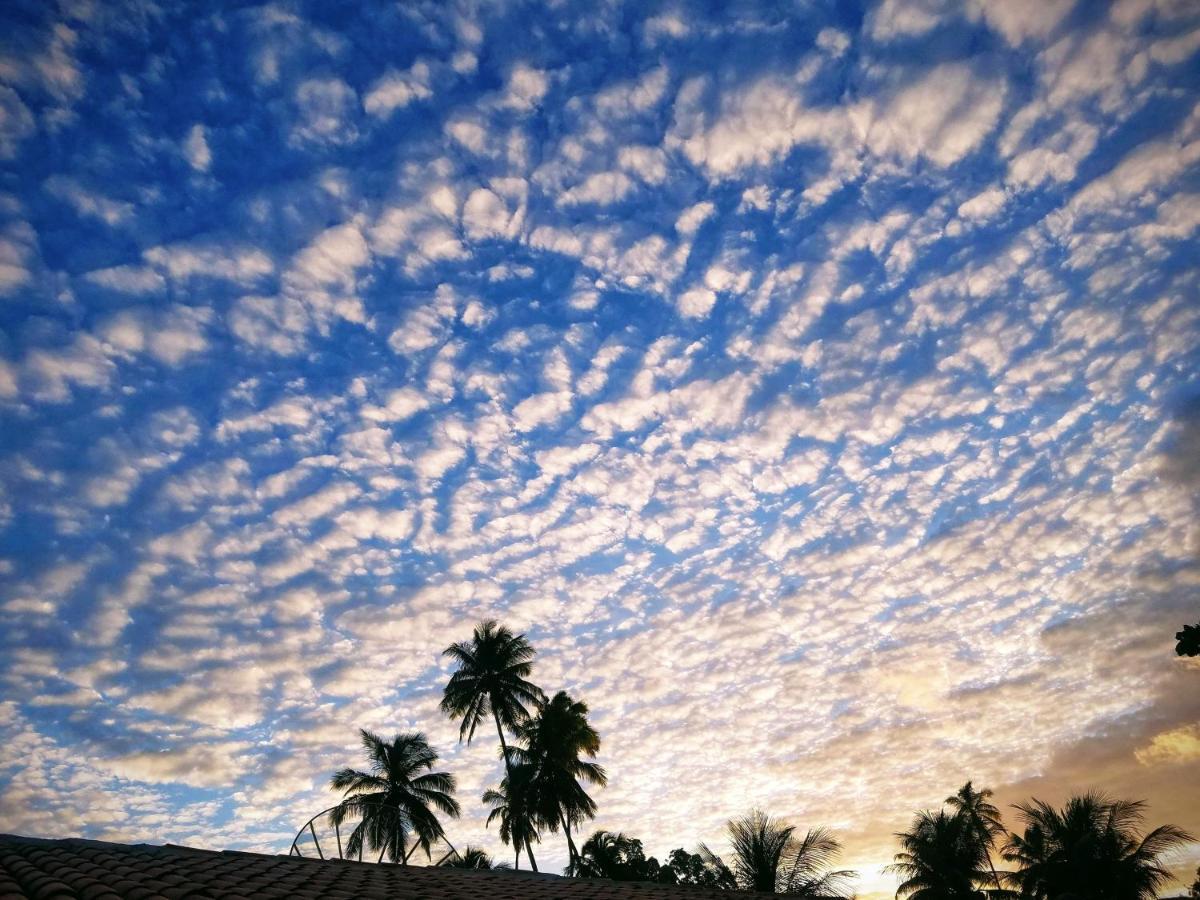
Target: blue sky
(816, 384)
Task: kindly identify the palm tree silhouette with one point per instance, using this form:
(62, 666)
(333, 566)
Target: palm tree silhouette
(492, 677)
(982, 819)
(1091, 848)
(556, 738)
(396, 799)
(769, 857)
(941, 858)
(615, 856)
(512, 805)
(472, 858)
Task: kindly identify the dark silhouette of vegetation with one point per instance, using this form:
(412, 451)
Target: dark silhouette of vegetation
(615, 856)
(472, 858)
(1189, 641)
(1092, 848)
(492, 678)
(769, 857)
(982, 821)
(941, 858)
(556, 739)
(398, 799)
(512, 806)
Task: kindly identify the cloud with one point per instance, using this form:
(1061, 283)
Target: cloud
(397, 90)
(326, 112)
(196, 150)
(16, 122)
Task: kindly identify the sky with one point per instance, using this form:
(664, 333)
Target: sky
(817, 386)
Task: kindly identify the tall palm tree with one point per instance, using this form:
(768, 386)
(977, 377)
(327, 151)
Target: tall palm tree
(982, 819)
(769, 857)
(492, 678)
(512, 806)
(397, 799)
(1092, 848)
(556, 739)
(472, 858)
(941, 858)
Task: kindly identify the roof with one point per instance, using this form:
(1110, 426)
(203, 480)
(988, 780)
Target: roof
(96, 870)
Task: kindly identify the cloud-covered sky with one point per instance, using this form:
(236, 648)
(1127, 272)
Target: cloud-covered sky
(816, 385)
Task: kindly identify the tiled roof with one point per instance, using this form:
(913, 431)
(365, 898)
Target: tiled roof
(95, 870)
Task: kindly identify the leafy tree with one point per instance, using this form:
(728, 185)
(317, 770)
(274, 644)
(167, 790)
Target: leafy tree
(398, 799)
(512, 806)
(472, 858)
(556, 738)
(769, 857)
(1092, 848)
(615, 856)
(1189, 641)
(982, 820)
(941, 858)
(1195, 891)
(692, 868)
(492, 678)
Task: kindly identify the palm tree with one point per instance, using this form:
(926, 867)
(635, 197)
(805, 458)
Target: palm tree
(769, 857)
(472, 858)
(1092, 848)
(982, 819)
(615, 856)
(941, 858)
(399, 797)
(492, 677)
(512, 805)
(556, 738)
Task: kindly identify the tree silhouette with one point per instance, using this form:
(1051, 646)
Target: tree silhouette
(399, 797)
(615, 856)
(942, 857)
(472, 858)
(556, 738)
(492, 678)
(1092, 848)
(982, 820)
(768, 857)
(1195, 891)
(693, 868)
(512, 805)
(1189, 641)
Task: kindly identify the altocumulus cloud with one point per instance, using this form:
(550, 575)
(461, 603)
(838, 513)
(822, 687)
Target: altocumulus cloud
(816, 384)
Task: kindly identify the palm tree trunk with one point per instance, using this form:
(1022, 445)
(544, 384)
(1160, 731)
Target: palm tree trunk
(572, 853)
(503, 746)
(529, 853)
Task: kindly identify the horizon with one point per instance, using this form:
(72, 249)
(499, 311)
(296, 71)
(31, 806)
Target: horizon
(816, 386)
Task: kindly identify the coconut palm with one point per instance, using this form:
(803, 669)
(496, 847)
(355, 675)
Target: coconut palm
(941, 858)
(982, 819)
(512, 806)
(614, 855)
(1092, 848)
(556, 738)
(769, 857)
(472, 858)
(492, 678)
(398, 799)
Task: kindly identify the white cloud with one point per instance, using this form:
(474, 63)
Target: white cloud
(602, 188)
(87, 202)
(983, 205)
(196, 150)
(541, 409)
(696, 302)
(526, 87)
(327, 109)
(16, 122)
(396, 90)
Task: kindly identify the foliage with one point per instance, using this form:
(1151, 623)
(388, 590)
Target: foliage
(556, 739)
(472, 858)
(769, 857)
(512, 806)
(692, 868)
(397, 799)
(1189, 641)
(492, 678)
(942, 858)
(615, 856)
(1093, 847)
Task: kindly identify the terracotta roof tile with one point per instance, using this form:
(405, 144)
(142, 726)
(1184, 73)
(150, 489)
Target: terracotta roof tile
(94, 870)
